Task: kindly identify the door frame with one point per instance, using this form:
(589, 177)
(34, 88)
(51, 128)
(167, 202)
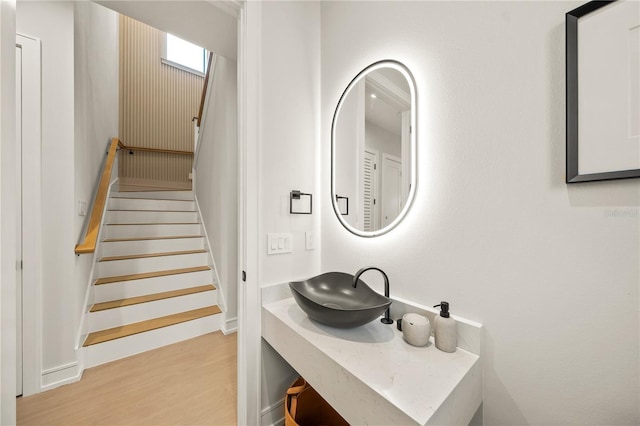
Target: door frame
(249, 300)
(18, 218)
(31, 215)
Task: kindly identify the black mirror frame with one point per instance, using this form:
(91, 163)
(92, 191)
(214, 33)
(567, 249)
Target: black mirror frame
(413, 144)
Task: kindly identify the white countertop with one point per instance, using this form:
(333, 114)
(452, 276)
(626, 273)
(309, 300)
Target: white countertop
(371, 375)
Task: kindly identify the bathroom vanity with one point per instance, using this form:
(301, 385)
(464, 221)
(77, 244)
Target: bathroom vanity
(369, 374)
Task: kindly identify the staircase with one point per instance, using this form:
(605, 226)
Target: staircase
(153, 277)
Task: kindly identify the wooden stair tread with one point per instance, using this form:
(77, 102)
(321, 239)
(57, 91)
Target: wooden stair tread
(153, 211)
(131, 277)
(151, 189)
(153, 223)
(146, 255)
(117, 240)
(150, 298)
(148, 325)
(152, 199)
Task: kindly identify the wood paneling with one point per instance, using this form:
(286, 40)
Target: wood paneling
(157, 105)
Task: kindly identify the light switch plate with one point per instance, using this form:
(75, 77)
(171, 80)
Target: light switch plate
(309, 240)
(82, 208)
(278, 243)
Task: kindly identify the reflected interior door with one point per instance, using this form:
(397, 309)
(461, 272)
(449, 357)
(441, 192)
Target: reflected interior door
(390, 198)
(370, 191)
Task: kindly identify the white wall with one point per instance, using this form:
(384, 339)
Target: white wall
(289, 123)
(96, 41)
(217, 179)
(200, 22)
(52, 22)
(288, 140)
(382, 140)
(79, 115)
(349, 128)
(7, 213)
(494, 229)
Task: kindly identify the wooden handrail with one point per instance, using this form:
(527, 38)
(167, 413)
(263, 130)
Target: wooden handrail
(204, 88)
(88, 245)
(166, 151)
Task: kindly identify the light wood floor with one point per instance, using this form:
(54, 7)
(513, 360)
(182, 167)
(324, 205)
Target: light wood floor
(188, 383)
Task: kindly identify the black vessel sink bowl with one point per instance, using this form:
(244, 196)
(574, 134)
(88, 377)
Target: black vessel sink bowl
(330, 299)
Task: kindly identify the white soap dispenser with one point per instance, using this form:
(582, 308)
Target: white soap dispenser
(446, 335)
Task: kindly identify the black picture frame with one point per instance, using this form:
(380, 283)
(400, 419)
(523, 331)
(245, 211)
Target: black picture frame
(572, 139)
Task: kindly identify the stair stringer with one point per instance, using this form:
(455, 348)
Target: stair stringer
(83, 329)
(228, 325)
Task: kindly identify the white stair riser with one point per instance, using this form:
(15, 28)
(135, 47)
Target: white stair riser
(150, 264)
(134, 288)
(139, 204)
(119, 348)
(160, 195)
(148, 216)
(144, 311)
(123, 248)
(142, 231)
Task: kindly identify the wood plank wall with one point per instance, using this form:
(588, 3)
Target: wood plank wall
(157, 103)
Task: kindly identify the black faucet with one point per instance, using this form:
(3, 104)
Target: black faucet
(386, 319)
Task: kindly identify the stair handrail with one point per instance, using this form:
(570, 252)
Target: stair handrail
(88, 244)
(160, 150)
(207, 94)
(204, 89)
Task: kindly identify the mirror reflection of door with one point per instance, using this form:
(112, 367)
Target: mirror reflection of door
(369, 190)
(386, 113)
(390, 196)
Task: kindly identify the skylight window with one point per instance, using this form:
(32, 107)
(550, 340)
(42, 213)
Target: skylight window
(185, 55)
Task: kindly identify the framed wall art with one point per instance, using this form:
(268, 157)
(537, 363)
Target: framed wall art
(603, 91)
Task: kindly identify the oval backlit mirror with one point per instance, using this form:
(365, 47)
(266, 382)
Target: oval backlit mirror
(373, 149)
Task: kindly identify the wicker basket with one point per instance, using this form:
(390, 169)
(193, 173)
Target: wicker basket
(305, 407)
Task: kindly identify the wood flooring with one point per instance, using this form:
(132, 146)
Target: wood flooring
(188, 383)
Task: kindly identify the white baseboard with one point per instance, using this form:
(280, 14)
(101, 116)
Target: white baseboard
(60, 375)
(273, 415)
(229, 326)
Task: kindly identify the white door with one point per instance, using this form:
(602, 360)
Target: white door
(19, 220)
(370, 191)
(391, 195)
